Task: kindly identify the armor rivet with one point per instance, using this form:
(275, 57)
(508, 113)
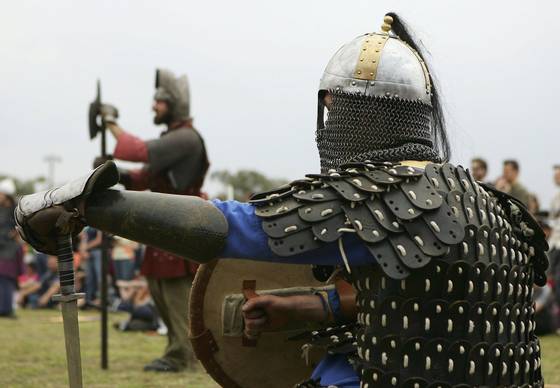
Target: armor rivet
(371, 74)
(417, 346)
(472, 368)
(359, 72)
(361, 59)
(353, 83)
(450, 366)
(394, 381)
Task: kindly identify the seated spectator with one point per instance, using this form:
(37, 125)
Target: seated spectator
(49, 284)
(124, 253)
(28, 286)
(137, 301)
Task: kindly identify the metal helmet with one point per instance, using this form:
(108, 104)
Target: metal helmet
(174, 90)
(383, 103)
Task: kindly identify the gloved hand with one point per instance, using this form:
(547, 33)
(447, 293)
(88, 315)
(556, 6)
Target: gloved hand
(99, 160)
(109, 113)
(41, 216)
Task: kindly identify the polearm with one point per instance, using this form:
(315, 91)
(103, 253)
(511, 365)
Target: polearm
(94, 128)
(68, 299)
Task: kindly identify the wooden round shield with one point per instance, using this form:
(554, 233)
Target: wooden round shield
(215, 327)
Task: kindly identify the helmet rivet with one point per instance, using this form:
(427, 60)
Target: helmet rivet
(353, 82)
(373, 61)
(371, 74)
(359, 72)
(361, 59)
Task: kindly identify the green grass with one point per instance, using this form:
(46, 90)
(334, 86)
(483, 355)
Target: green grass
(32, 355)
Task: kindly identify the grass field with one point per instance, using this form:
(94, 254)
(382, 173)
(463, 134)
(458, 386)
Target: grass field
(32, 355)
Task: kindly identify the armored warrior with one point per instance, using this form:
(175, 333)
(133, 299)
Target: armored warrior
(176, 163)
(442, 265)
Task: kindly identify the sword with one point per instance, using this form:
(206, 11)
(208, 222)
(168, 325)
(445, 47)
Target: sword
(68, 299)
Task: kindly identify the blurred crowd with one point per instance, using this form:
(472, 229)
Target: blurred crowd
(29, 279)
(547, 298)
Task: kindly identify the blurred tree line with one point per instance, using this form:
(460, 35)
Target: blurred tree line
(25, 186)
(244, 183)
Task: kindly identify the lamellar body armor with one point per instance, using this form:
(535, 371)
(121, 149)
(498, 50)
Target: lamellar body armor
(447, 299)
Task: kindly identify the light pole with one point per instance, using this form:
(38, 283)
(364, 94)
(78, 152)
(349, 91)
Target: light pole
(51, 161)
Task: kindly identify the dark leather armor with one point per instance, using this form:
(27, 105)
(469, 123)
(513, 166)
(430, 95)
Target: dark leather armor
(447, 299)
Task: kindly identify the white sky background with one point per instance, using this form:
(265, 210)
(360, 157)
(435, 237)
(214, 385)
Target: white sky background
(254, 67)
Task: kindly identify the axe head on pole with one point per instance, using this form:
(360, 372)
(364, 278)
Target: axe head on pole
(94, 117)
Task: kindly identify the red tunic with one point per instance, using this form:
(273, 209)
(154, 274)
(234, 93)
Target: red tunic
(157, 263)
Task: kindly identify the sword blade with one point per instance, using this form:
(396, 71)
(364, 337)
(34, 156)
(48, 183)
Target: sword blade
(72, 341)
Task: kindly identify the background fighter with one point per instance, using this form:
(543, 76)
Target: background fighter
(176, 163)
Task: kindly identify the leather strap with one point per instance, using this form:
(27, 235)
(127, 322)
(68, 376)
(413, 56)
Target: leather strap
(347, 296)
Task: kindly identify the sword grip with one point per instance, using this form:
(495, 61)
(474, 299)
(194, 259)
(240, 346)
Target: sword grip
(65, 263)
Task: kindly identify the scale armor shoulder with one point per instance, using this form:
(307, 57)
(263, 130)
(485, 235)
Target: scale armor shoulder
(406, 217)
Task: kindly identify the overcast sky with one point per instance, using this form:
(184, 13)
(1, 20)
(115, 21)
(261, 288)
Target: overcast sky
(254, 67)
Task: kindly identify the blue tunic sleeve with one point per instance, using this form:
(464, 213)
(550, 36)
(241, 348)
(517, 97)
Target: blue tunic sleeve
(247, 240)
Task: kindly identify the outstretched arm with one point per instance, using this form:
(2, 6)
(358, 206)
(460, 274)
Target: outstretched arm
(186, 226)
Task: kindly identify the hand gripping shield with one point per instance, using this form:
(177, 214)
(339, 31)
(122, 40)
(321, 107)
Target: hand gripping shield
(216, 324)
